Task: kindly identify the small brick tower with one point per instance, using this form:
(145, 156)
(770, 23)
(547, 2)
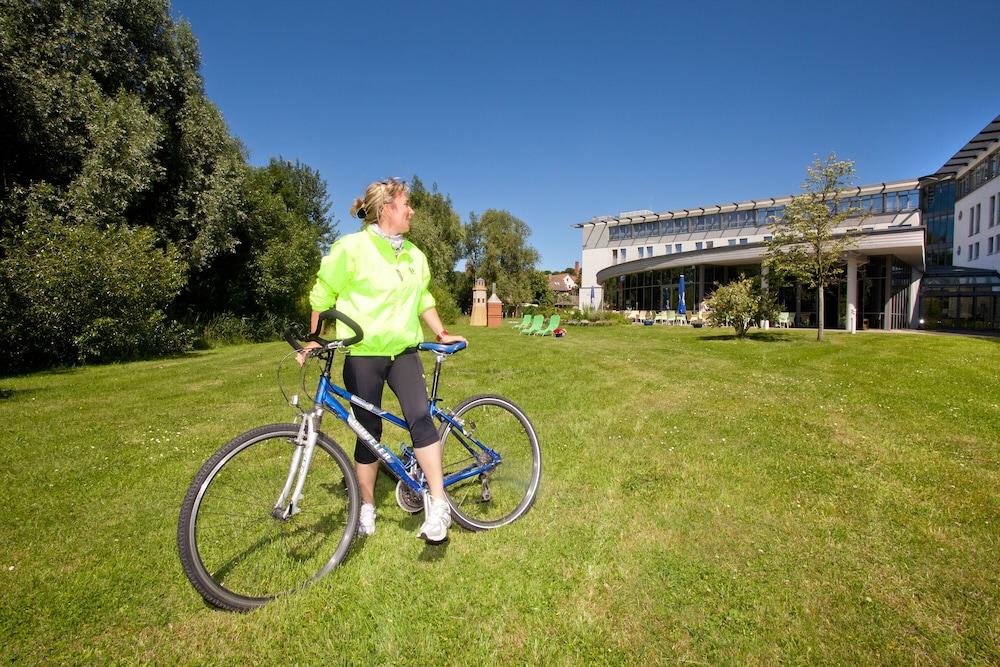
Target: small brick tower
(494, 309)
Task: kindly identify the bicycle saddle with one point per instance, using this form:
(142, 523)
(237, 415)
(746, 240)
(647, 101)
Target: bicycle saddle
(441, 348)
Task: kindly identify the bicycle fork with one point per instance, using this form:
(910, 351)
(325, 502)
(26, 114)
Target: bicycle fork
(305, 444)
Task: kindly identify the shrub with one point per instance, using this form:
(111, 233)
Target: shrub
(447, 308)
(740, 304)
(231, 329)
(81, 292)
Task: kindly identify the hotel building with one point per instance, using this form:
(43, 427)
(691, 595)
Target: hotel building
(927, 255)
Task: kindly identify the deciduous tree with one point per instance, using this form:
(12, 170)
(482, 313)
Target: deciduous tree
(810, 241)
(497, 250)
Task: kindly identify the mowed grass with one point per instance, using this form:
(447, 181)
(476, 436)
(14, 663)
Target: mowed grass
(703, 500)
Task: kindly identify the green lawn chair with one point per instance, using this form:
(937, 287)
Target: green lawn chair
(553, 325)
(536, 325)
(525, 321)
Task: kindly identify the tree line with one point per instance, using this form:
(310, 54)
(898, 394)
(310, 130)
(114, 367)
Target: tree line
(131, 222)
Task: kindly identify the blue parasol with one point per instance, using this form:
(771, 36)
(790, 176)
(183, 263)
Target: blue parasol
(681, 309)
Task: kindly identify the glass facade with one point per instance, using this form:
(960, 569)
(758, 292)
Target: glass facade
(960, 299)
(880, 203)
(883, 291)
(938, 212)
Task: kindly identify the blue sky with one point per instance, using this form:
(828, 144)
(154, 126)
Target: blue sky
(560, 111)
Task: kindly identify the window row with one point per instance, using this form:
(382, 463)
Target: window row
(619, 255)
(887, 202)
(980, 175)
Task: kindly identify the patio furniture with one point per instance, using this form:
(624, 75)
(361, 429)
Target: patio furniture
(525, 321)
(553, 325)
(536, 325)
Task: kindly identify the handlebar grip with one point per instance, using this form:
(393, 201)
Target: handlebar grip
(289, 335)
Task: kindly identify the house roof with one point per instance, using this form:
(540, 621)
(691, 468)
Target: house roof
(558, 283)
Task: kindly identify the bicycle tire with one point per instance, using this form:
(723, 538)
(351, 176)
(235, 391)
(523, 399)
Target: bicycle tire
(327, 521)
(513, 485)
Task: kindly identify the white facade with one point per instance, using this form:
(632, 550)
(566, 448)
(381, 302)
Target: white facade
(977, 224)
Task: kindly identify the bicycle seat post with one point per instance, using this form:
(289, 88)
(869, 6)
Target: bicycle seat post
(439, 359)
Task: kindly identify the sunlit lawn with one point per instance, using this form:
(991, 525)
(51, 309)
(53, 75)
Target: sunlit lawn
(703, 499)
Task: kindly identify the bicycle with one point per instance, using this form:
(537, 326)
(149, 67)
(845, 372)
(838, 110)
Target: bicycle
(492, 481)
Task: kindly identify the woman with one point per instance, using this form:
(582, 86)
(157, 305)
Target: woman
(381, 281)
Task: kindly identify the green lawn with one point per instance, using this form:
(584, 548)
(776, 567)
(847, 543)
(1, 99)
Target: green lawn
(703, 499)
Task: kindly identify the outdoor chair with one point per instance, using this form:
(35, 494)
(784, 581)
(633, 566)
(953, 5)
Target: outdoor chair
(669, 316)
(525, 321)
(661, 317)
(536, 325)
(784, 319)
(553, 325)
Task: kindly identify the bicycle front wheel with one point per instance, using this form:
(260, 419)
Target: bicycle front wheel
(239, 556)
(503, 494)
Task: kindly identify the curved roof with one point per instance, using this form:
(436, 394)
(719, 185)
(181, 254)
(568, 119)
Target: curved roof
(970, 152)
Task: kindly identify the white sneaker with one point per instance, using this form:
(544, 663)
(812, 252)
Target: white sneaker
(366, 525)
(437, 518)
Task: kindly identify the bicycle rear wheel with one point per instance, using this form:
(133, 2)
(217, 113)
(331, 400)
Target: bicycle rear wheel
(236, 554)
(501, 495)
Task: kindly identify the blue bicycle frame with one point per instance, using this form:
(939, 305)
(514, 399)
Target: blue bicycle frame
(327, 391)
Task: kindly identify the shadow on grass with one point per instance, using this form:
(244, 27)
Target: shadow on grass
(763, 336)
(433, 552)
(6, 393)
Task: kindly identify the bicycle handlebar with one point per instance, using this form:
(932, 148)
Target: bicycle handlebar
(293, 334)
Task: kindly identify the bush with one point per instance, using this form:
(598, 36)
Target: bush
(740, 304)
(231, 329)
(79, 292)
(447, 308)
(593, 315)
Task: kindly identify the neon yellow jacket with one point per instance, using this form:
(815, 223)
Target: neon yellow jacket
(363, 278)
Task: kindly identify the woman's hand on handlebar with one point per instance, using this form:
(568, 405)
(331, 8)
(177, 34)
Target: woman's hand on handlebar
(304, 352)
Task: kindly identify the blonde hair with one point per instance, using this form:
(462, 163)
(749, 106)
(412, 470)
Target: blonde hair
(377, 195)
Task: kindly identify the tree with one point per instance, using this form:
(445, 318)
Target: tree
(111, 147)
(497, 252)
(809, 243)
(270, 270)
(437, 230)
(541, 293)
(740, 304)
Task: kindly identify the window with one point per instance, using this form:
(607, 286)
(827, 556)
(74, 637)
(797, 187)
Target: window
(979, 211)
(993, 211)
(649, 251)
(710, 244)
(641, 251)
(614, 256)
(958, 250)
(989, 246)
(744, 241)
(732, 241)
(698, 245)
(666, 249)
(972, 220)
(678, 247)
(976, 247)
(768, 238)
(969, 254)
(624, 252)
